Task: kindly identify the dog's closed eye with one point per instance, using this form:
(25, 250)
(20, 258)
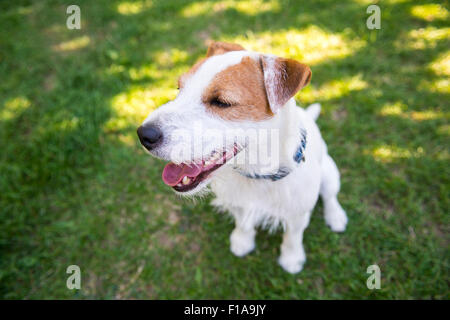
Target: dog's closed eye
(218, 102)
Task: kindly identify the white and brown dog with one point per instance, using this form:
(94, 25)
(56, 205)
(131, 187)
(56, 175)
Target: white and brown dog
(234, 129)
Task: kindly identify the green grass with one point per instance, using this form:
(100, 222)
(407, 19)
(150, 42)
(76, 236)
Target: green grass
(76, 188)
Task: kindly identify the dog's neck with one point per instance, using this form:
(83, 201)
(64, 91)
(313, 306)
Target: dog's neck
(291, 146)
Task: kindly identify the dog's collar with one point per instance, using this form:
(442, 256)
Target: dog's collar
(282, 172)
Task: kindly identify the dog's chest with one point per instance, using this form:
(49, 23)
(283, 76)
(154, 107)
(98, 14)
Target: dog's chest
(295, 193)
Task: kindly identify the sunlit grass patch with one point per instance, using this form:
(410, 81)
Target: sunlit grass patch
(74, 44)
(133, 106)
(427, 115)
(399, 109)
(13, 107)
(441, 66)
(393, 109)
(311, 45)
(389, 153)
(150, 71)
(333, 89)
(167, 58)
(130, 8)
(430, 12)
(164, 67)
(423, 38)
(248, 7)
(436, 86)
(160, 76)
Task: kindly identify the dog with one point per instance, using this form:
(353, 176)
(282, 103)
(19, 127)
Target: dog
(246, 93)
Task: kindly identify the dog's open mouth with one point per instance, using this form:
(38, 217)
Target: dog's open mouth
(185, 177)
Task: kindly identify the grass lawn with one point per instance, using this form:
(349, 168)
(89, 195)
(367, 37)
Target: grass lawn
(76, 187)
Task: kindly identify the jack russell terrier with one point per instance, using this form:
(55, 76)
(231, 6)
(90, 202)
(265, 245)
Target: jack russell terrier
(235, 129)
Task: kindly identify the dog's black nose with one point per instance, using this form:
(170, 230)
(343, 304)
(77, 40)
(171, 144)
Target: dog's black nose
(149, 136)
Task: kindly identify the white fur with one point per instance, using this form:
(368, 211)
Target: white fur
(287, 202)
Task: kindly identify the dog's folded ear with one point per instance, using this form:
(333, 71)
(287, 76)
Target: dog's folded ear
(216, 48)
(283, 78)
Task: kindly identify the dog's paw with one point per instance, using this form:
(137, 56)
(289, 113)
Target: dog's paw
(292, 264)
(336, 218)
(241, 244)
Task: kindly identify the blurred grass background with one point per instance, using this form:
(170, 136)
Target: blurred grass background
(76, 188)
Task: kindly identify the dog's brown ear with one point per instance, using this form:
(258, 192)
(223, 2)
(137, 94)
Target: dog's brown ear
(216, 48)
(282, 79)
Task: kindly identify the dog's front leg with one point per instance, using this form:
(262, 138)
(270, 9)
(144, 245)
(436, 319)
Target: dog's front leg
(293, 255)
(242, 239)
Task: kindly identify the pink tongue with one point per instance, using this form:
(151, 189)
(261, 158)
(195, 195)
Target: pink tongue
(173, 174)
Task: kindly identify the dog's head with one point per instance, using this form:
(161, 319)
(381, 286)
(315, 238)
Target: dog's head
(222, 99)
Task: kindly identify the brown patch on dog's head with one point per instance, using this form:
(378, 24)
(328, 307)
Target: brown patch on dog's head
(238, 92)
(255, 90)
(251, 89)
(215, 48)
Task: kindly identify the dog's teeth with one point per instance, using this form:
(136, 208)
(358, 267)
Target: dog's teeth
(215, 156)
(207, 163)
(186, 180)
